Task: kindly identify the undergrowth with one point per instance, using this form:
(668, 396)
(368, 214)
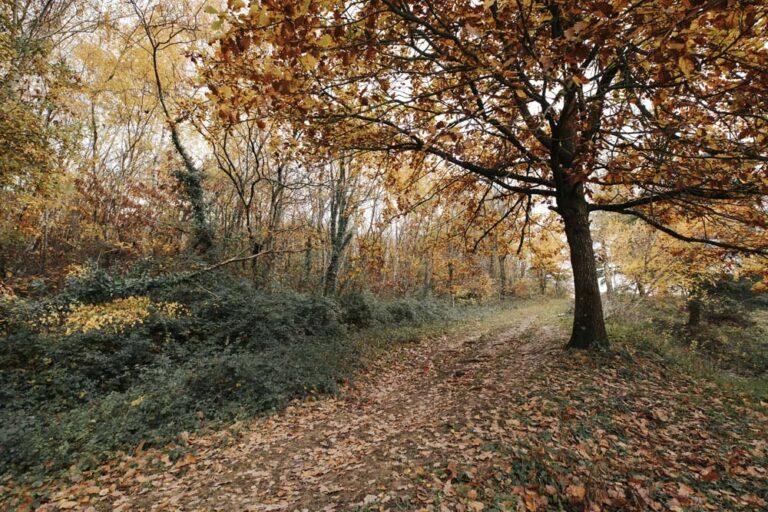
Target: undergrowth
(732, 354)
(96, 368)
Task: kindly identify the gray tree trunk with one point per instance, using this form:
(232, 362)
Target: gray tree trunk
(340, 233)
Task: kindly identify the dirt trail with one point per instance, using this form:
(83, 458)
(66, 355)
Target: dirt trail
(417, 407)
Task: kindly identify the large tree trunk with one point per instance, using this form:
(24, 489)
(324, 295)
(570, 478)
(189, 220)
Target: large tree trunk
(588, 322)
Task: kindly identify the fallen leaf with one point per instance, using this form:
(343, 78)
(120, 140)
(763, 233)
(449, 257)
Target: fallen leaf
(576, 492)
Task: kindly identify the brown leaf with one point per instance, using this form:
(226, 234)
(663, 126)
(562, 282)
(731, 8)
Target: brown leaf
(186, 460)
(684, 490)
(576, 492)
(710, 474)
(660, 415)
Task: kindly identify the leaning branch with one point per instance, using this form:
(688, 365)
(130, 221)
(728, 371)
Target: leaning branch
(685, 238)
(236, 259)
(721, 195)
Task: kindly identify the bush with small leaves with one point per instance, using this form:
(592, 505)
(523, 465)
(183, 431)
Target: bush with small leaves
(112, 360)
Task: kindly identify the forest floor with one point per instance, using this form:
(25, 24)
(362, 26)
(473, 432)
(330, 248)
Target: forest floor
(499, 419)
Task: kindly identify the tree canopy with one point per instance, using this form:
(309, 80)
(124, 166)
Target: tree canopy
(652, 109)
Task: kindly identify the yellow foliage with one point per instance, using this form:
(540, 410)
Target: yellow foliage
(522, 289)
(115, 315)
(477, 286)
(171, 309)
(76, 270)
(138, 401)
(118, 314)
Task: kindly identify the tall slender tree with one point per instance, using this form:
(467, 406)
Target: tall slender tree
(165, 29)
(340, 226)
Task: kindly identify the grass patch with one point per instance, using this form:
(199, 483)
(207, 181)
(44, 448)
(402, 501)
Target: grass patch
(451, 321)
(733, 356)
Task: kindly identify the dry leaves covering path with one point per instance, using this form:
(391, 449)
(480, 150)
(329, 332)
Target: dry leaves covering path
(505, 420)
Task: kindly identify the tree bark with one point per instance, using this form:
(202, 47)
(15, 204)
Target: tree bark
(608, 276)
(264, 276)
(694, 307)
(339, 230)
(588, 322)
(426, 284)
(190, 178)
(332, 273)
(502, 275)
(307, 263)
(694, 311)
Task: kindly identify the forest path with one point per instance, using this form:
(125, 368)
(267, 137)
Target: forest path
(423, 405)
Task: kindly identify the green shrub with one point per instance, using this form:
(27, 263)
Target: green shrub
(72, 395)
(411, 310)
(362, 309)
(167, 399)
(256, 320)
(733, 353)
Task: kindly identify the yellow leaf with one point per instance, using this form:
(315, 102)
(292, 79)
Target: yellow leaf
(263, 18)
(576, 492)
(325, 41)
(186, 460)
(579, 80)
(686, 64)
(308, 61)
(137, 402)
(660, 415)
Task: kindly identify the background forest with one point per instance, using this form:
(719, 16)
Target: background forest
(181, 248)
(162, 264)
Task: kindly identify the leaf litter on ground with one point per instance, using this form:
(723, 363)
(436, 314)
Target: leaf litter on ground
(501, 420)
